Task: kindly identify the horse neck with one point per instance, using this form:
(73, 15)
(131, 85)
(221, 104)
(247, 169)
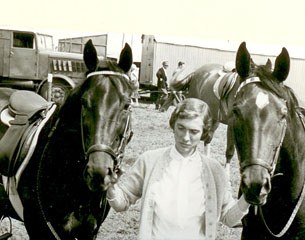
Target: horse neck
(69, 121)
(292, 157)
(180, 84)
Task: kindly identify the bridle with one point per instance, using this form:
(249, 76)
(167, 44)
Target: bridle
(118, 154)
(271, 167)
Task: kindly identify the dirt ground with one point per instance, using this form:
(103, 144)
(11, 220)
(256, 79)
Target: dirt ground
(151, 131)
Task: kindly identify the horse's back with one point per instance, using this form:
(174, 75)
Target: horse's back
(201, 85)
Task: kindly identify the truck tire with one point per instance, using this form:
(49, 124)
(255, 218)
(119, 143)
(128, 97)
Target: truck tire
(60, 91)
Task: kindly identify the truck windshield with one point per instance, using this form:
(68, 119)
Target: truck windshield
(45, 42)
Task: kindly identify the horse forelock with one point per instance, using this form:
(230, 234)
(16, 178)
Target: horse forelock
(269, 82)
(107, 65)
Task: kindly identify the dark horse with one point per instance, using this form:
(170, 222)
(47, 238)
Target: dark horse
(62, 188)
(269, 135)
(217, 88)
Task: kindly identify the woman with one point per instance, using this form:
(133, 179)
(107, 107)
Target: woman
(184, 193)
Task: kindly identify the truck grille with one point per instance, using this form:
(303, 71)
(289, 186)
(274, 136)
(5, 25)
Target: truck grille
(59, 65)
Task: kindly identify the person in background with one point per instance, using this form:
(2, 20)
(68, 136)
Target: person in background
(133, 75)
(183, 192)
(179, 68)
(174, 95)
(162, 83)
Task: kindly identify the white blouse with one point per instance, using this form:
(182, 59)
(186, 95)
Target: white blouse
(179, 199)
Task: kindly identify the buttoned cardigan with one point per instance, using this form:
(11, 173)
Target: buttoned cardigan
(149, 167)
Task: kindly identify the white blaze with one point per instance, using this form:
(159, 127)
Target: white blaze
(262, 100)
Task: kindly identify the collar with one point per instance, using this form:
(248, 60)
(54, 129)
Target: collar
(175, 155)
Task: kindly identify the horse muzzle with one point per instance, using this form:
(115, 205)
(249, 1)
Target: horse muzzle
(256, 184)
(99, 171)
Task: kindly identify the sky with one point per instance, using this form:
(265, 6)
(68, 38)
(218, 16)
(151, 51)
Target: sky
(274, 22)
(267, 25)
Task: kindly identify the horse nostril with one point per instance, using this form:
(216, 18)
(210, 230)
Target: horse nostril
(245, 181)
(267, 184)
(108, 171)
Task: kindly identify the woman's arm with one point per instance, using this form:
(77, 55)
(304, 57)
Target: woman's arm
(128, 189)
(232, 217)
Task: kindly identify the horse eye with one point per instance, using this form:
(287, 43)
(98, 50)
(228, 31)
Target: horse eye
(126, 106)
(118, 138)
(235, 110)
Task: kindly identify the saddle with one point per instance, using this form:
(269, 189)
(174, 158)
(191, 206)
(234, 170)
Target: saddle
(222, 87)
(23, 115)
(224, 84)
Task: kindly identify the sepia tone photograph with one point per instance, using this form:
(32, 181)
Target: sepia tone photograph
(152, 120)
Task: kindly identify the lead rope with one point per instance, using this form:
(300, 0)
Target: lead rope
(296, 208)
(6, 235)
(288, 224)
(48, 223)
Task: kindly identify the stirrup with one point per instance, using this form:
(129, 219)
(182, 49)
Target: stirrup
(6, 235)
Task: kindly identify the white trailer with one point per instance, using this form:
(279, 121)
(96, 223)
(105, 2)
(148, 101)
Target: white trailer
(155, 50)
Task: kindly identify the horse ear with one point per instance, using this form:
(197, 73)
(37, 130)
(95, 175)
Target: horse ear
(90, 56)
(243, 61)
(282, 66)
(126, 60)
(269, 64)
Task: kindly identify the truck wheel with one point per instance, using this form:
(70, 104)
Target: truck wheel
(60, 91)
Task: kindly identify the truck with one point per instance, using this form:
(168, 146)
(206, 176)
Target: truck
(28, 59)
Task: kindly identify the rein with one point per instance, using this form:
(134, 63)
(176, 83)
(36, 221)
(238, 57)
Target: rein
(297, 206)
(271, 169)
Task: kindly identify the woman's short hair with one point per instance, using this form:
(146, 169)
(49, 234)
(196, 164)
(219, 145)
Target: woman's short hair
(191, 108)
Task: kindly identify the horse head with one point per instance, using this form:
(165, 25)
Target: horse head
(105, 115)
(260, 114)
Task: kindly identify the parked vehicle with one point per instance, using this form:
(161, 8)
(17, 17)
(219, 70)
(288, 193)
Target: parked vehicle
(27, 58)
(77, 44)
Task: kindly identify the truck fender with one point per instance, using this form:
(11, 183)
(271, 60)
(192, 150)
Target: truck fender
(62, 77)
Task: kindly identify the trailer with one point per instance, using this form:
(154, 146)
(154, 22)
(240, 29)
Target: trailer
(77, 44)
(155, 50)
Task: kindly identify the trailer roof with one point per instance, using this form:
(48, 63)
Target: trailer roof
(227, 45)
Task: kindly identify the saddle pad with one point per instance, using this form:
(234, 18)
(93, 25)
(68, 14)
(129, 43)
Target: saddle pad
(11, 183)
(6, 117)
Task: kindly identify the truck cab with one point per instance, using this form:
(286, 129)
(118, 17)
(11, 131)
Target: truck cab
(27, 58)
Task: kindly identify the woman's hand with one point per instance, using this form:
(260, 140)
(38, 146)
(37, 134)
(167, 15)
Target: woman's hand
(113, 178)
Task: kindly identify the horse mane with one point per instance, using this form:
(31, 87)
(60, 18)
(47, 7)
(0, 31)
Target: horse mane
(107, 64)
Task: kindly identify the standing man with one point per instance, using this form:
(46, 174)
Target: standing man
(162, 83)
(174, 94)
